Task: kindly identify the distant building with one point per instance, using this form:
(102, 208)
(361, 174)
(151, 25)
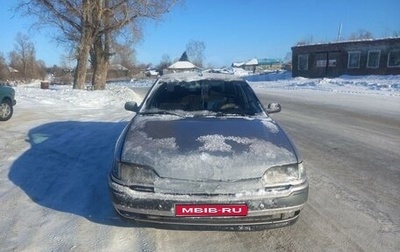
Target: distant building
(363, 57)
(182, 65)
(152, 73)
(238, 64)
(270, 64)
(117, 71)
(12, 70)
(259, 65)
(251, 65)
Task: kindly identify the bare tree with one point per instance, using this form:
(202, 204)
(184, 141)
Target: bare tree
(116, 18)
(74, 19)
(124, 55)
(23, 59)
(195, 51)
(164, 63)
(26, 50)
(91, 26)
(360, 35)
(306, 41)
(40, 69)
(4, 72)
(16, 63)
(23, 62)
(66, 61)
(288, 57)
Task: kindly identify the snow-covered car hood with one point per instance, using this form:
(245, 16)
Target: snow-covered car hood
(201, 149)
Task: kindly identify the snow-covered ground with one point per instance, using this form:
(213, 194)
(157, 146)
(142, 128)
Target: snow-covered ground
(385, 85)
(56, 150)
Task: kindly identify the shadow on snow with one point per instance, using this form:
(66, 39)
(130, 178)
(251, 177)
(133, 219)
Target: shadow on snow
(66, 168)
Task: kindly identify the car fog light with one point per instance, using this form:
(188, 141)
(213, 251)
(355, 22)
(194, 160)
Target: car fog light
(276, 216)
(288, 215)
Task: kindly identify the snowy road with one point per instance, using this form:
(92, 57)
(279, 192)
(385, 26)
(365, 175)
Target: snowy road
(351, 144)
(53, 169)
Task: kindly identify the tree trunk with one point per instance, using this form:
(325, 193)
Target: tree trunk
(100, 75)
(101, 53)
(100, 65)
(85, 43)
(82, 60)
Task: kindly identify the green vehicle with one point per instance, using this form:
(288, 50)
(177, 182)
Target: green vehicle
(7, 99)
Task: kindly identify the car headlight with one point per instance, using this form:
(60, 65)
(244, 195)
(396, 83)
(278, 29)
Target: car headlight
(287, 174)
(133, 174)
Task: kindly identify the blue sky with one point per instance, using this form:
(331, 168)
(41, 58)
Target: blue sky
(233, 30)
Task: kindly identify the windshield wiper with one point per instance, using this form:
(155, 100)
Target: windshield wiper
(162, 112)
(221, 114)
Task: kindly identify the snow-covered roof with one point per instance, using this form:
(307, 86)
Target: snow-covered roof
(238, 64)
(118, 67)
(12, 70)
(348, 41)
(269, 61)
(182, 65)
(256, 62)
(252, 62)
(196, 76)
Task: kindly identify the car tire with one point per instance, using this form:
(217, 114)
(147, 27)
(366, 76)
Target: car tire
(6, 110)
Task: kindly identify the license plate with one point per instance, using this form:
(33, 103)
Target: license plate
(210, 210)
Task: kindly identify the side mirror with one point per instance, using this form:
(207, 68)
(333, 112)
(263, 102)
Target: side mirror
(132, 106)
(274, 108)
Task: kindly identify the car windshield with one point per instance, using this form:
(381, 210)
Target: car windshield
(220, 97)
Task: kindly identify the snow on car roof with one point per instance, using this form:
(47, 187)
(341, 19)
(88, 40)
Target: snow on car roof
(196, 76)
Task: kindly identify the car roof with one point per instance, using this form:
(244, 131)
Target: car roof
(197, 76)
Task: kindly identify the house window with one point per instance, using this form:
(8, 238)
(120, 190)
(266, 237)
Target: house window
(303, 62)
(373, 59)
(321, 63)
(394, 58)
(354, 60)
(332, 63)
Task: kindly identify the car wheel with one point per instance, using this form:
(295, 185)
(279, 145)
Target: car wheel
(6, 110)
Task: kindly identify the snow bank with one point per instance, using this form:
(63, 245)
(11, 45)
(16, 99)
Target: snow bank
(372, 84)
(56, 95)
(116, 94)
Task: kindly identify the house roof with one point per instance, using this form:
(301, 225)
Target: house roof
(118, 67)
(269, 61)
(358, 41)
(238, 64)
(12, 70)
(184, 57)
(252, 62)
(256, 62)
(181, 65)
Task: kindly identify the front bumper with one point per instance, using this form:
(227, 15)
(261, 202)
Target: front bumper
(265, 210)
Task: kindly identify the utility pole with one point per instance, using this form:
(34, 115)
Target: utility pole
(339, 32)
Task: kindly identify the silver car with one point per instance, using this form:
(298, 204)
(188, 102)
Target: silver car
(202, 152)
